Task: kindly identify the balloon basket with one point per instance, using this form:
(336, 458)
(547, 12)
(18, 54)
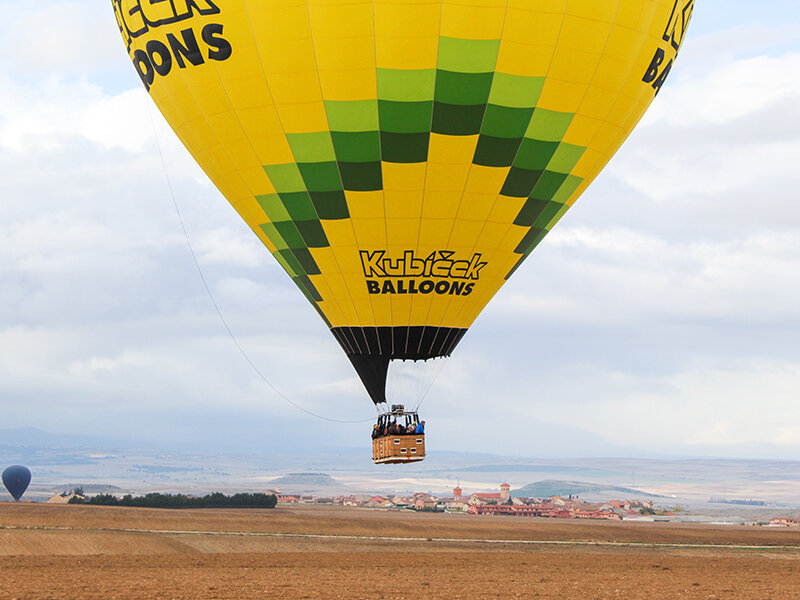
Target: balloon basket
(398, 449)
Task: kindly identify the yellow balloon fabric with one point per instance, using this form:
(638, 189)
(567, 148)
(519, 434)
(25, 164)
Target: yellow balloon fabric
(400, 159)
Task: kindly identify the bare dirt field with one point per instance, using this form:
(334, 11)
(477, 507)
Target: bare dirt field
(68, 552)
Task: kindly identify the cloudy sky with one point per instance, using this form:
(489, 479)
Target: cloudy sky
(661, 316)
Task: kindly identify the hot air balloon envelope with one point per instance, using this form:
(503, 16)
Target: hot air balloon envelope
(401, 158)
(16, 479)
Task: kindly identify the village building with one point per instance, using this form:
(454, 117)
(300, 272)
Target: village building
(402, 502)
(461, 503)
(455, 504)
(347, 501)
(379, 502)
(478, 499)
(423, 496)
(425, 504)
(504, 509)
(555, 513)
(526, 510)
(505, 492)
(607, 515)
(579, 505)
(785, 522)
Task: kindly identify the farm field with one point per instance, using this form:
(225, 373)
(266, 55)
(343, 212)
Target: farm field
(65, 552)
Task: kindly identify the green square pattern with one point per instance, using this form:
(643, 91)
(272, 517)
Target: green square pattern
(359, 115)
(462, 96)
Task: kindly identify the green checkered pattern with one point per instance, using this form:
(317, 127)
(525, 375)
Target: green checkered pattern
(540, 172)
(462, 96)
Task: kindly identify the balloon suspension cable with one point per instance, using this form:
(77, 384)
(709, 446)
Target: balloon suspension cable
(211, 296)
(431, 381)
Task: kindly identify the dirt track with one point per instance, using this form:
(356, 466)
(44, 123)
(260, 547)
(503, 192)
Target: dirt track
(90, 556)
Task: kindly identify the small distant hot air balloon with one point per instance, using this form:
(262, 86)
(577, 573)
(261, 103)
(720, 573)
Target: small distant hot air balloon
(400, 159)
(16, 479)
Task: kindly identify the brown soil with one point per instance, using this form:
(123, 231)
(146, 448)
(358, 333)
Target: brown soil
(65, 552)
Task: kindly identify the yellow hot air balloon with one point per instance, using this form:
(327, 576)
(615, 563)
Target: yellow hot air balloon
(401, 158)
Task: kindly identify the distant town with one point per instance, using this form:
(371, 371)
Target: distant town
(481, 503)
(502, 503)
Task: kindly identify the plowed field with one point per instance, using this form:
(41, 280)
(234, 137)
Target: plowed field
(67, 552)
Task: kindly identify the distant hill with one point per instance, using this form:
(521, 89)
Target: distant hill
(535, 468)
(89, 488)
(305, 481)
(553, 487)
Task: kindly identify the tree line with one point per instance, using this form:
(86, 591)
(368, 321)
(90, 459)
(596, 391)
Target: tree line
(155, 500)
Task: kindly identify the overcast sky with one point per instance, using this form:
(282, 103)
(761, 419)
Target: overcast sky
(662, 315)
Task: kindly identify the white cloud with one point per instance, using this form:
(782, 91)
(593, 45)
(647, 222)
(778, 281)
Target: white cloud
(734, 126)
(741, 402)
(88, 367)
(628, 276)
(226, 246)
(74, 38)
(731, 90)
(52, 113)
